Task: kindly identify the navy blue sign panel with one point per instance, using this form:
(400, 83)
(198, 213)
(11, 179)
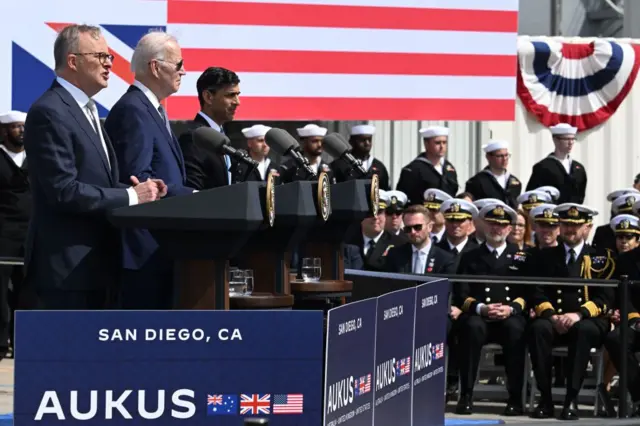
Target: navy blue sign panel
(394, 354)
(432, 304)
(174, 367)
(348, 389)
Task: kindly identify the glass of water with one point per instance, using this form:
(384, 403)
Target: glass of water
(317, 269)
(248, 281)
(308, 272)
(236, 282)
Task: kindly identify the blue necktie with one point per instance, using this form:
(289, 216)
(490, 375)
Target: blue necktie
(227, 162)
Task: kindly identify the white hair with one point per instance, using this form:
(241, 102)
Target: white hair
(151, 46)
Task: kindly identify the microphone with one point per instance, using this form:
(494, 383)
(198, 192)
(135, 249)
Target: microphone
(337, 146)
(221, 145)
(284, 144)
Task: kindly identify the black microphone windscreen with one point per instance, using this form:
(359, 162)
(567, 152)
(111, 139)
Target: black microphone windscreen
(335, 144)
(210, 136)
(280, 141)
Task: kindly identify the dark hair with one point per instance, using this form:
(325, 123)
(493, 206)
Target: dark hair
(214, 79)
(463, 195)
(637, 179)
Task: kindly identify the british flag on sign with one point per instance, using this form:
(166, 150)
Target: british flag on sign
(255, 403)
(355, 59)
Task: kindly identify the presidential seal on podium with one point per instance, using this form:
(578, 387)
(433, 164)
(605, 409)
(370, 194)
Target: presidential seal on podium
(324, 196)
(375, 194)
(270, 195)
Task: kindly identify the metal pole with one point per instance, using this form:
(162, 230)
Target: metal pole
(624, 336)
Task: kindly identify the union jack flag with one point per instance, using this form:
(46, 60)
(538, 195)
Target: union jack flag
(255, 403)
(214, 399)
(354, 59)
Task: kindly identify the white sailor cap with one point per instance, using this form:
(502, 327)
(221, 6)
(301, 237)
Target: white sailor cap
(433, 131)
(544, 213)
(495, 145)
(311, 130)
(563, 129)
(625, 203)
(433, 198)
(499, 213)
(551, 190)
(531, 199)
(485, 201)
(458, 209)
(255, 131)
(13, 117)
(625, 224)
(363, 129)
(620, 192)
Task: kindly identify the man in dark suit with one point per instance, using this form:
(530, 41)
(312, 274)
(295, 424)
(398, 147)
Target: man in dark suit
(311, 142)
(430, 169)
(420, 256)
(492, 312)
(559, 170)
(361, 141)
(15, 211)
(494, 181)
(565, 314)
(219, 97)
(622, 202)
(259, 151)
(72, 253)
(146, 148)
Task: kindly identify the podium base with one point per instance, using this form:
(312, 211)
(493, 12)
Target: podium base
(202, 284)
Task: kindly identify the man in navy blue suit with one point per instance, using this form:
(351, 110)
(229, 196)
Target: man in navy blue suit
(147, 148)
(72, 253)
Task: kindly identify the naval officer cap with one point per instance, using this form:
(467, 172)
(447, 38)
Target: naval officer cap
(498, 213)
(433, 198)
(493, 146)
(545, 213)
(563, 129)
(383, 200)
(531, 199)
(577, 214)
(484, 201)
(397, 201)
(256, 131)
(10, 117)
(433, 131)
(625, 224)
(311, 130)
(363, 129)
(551, 190)
(620, 192)
(458, 209)
(625, 203)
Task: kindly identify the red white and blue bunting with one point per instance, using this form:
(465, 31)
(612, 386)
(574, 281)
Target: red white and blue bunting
(579, 84)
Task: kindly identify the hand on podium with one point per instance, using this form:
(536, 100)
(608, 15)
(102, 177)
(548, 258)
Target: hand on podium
(149, 190)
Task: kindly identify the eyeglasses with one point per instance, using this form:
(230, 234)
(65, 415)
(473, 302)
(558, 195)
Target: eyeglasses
(519, 225)
(178, 65)
(407, 229)
(102, 57)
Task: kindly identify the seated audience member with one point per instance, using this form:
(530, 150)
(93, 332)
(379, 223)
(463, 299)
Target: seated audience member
(622, 202)
(521, 233)
(433, 199)
(393, 223)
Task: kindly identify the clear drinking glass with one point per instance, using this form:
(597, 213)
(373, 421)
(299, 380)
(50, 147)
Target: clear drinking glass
(307, 269)
(248, 281)
(317, 268)
(236, 282)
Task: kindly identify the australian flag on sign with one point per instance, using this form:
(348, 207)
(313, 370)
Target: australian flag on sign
(220, 405)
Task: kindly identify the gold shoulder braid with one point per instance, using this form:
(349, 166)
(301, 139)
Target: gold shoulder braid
(590, 266)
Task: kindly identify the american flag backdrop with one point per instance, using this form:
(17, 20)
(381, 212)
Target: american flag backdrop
(297, 59)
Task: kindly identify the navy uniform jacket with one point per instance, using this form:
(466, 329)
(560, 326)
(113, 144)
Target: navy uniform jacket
(550, 171)
(484, 185)
(420, 175)
(341, 171)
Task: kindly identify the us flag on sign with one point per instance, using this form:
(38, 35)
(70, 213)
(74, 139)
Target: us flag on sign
(255, 403)
(288, 403)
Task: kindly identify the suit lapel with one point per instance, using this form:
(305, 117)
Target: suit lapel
(83, 122)
(408, 255)
(112, 156)
(219, 159)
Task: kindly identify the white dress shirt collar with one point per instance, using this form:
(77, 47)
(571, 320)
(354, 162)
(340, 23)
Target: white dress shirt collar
(577, 249)
(148, 93)
(460, 246)
(76, 93)
(424, 250)
(500, 249)
(212, 124)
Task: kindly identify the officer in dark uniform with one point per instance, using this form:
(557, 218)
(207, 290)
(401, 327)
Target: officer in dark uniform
(568, 315)
(361, 142)
(375, 242)
(420, 255)
(430, 169)
(628, 263)
(393, 223)
(530, 199)
(433, 199)
(559, 169)
(492, 313)
(259, 151)
(494, 181)
(311, 137)
(15, 211)
(478, 234)
(546, 225)
(622, 202)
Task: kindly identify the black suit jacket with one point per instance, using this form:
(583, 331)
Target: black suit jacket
(204, 167)
(444, 245)
(484, 185)
(604, 238)
(400, 259)
(420, 175)
(550, 171)
(70, 244)
(375, 260)
(342, 172)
